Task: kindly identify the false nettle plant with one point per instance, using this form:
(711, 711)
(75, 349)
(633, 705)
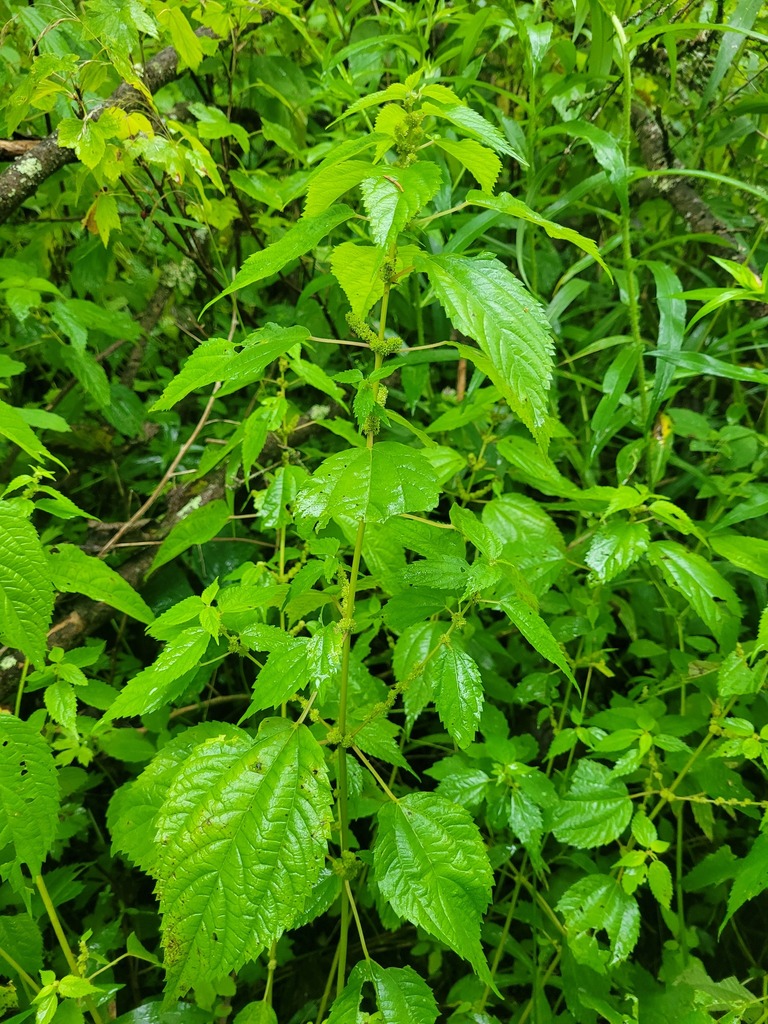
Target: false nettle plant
(404, 587)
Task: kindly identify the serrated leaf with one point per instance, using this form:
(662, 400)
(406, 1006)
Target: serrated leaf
(164, 680)
(599, 903)
(735, 677)
(74, 572)
(331, 182)
(487, 303)
(61, 704)
(239, 862)
(372, 484)
(476, 532)
(395, 198)
(15, 428)
(512, 207)
(595, 810)
(471, 123)
(18, 932)
(750, 553)
(660, 883)
(481, 162)
(256, 1013)
(26, 592)
(708, 593)
(402, 996)
(432, 867)
(236, 366)
(29, 793)
(134, 807)
(303, 661)
(615, 546)
(357, 269)
(537, 633)
(751, 877)
(303, 236)
(458, 692)
(201, 525)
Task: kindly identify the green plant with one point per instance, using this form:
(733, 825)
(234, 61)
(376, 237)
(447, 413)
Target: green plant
(440, 683)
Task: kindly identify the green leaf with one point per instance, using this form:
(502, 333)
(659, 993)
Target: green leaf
(331, 182)
(512, 207)
(61, 704)
(201, 525)
(372, 484)
(74, 572)
(357, 269)
(165, 679)
(256, 1013)
(598, 903)
(671, 334)
(432, 867)
(235, 366)
(537, 633)
(303, 236)
(458, 692)
(482, 163)
(134, 807)
(14, 427)
(243, 841)
(735, 678)
(595, 810)
(750, 553)
(615, 546)
(21, 934)
(301, 662)
(751, 877)
(660, 883)
(26, 592)
(476, 532)
(185, 40)
(29, 794)
(394, 199)
(485, 302)
(472, 124)
(711, 597)
(401, 996)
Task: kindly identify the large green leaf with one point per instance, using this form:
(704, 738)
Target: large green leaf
(373, 484)
(595, 810)
(512, 207)
(298, 239)
(458, 691)
(357, 268)
(243, 838)
(201, 525)
(487, 303)
(708, 593)
(29, 795)
(165, 679)
(26, 592)
(235, 365)
(74, 572)
(133, 810)
(432, 867)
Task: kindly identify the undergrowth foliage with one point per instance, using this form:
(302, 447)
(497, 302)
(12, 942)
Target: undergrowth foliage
(383, 553)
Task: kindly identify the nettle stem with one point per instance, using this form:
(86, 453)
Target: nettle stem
(349, 614)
